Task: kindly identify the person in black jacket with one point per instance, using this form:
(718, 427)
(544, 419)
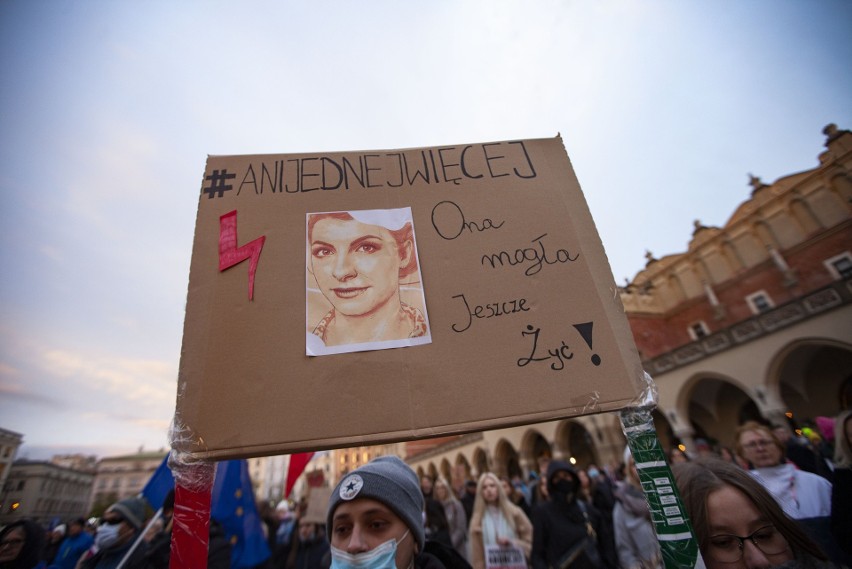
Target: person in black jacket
(567, 530)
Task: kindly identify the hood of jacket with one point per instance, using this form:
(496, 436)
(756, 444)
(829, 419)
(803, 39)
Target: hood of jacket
(557, 465)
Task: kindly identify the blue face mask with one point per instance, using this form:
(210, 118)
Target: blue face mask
(107, 536)
(381, 557)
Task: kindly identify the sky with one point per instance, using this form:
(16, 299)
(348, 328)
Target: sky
(108, 110)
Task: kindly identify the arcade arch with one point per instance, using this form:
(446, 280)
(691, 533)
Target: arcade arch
(446, 470)
(462, 468)
(432, 471)
(715, 406)
(506, 460)
(533, 446)
(480, 462)
(664, 429)
(576, 444)
(814, 377)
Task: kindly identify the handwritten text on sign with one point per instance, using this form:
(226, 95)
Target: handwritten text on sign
(449, 222)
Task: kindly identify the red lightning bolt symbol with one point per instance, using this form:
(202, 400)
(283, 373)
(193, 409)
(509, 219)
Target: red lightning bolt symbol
(230, 254)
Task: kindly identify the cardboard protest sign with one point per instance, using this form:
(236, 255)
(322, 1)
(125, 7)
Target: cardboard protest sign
(317, 509)
(479, 263)
(504, 557)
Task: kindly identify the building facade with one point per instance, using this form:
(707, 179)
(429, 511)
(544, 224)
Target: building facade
(753, 321)
(44, 492)
(10, 441)
(268, 475)
(81, 462)
(120, 477)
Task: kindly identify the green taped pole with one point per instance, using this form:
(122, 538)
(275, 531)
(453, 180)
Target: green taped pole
(674, 532)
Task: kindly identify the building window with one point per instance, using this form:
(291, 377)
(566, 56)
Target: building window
(840, 266)
(759, 302)
(698, 330)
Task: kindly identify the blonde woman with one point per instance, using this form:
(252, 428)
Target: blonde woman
(496, 521)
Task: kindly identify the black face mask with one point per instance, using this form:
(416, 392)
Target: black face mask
(563, 491)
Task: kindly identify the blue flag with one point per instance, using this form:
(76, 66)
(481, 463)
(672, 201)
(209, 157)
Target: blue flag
(234, 507)
(158, 486)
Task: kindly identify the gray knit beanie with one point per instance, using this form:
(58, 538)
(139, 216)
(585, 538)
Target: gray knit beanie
(131, 509)
(388, 480)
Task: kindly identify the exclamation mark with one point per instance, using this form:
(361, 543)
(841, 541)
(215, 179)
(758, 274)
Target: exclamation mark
(585, 331)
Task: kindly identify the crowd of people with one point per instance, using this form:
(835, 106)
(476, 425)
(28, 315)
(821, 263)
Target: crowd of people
(775, 499)
(121, 537)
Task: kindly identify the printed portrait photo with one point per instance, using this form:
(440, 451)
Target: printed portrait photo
(363, 286)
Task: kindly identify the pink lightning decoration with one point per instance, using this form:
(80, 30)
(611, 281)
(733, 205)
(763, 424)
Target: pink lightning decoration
(230, 254)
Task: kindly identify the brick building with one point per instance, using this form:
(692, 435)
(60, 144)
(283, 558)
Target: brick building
(753, 320)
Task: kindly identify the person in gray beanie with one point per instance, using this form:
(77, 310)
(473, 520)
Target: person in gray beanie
(375, 519)
(119, 529)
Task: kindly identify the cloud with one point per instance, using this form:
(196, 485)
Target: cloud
(135, 381)
(20, 394)
(8, 371)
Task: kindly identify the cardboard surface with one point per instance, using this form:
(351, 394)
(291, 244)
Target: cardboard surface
(317, 509)
(526, 323)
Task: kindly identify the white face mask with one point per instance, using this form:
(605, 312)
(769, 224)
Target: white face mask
(107, 535)
(381, 557)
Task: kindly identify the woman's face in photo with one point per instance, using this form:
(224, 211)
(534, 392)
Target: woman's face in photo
(356, 265)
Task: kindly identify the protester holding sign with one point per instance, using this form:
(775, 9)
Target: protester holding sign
(496, 522)
(375, 519)
(737, 522)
